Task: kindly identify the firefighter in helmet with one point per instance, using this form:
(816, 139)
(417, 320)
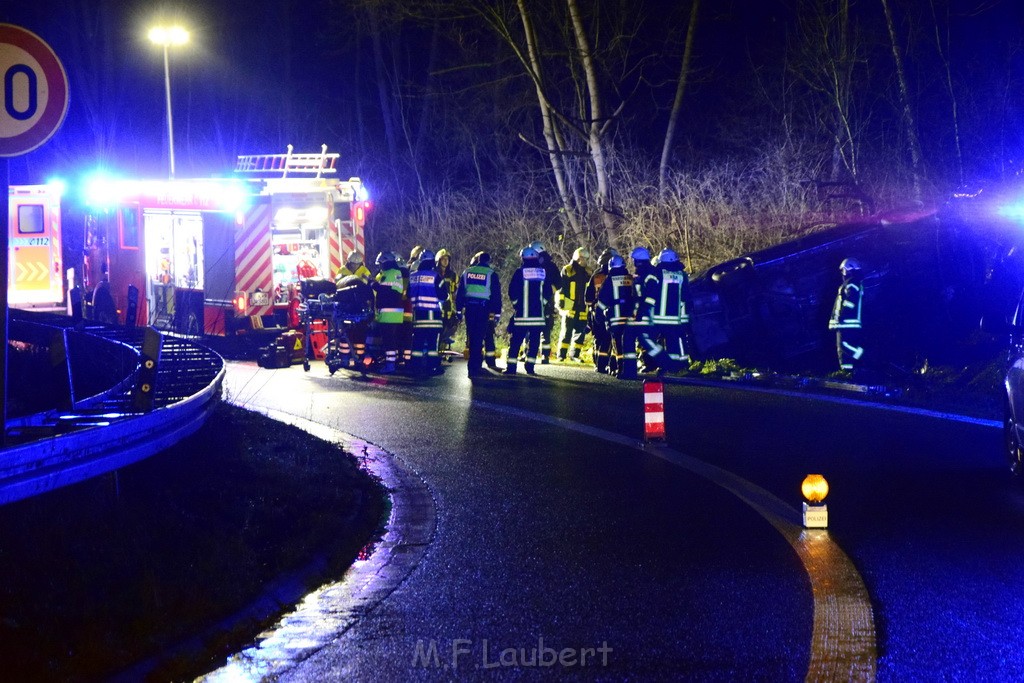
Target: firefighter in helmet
(617, 301)
(490, 347)
(553, 275)
(354, 300)
(642, 269)
(390, 294)
(595, 319)
(353, 266)
(530, 292)
(427, 293)
(451, 280)
(405, 338)
(478, 299)
(572, 306)
(846, 317)
(664, 307)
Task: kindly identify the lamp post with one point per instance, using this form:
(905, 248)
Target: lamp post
(167, 36)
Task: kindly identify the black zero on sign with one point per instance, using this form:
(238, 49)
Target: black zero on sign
(50, 78)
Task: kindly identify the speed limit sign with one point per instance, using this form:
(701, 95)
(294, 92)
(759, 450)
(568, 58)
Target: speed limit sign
(34, 89)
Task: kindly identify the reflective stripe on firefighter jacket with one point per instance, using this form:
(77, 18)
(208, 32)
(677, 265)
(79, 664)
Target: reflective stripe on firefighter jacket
(617, 297)
(479, 285)
(427, 291)
(846, 314)
(389, 286)
(644, 270)
(665, 295)
(529, 292)
(574, 285)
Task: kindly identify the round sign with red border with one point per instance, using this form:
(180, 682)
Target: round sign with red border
(33, 91)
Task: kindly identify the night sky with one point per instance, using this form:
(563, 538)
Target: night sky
(228, 85)
(263, 73)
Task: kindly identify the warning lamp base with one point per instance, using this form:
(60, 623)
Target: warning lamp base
(815, 516)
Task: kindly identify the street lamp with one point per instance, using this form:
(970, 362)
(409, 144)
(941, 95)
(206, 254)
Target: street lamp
(167, 36)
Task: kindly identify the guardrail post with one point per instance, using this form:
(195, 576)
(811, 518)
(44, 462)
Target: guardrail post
(132, 311)
(60, 354)
(143, 393)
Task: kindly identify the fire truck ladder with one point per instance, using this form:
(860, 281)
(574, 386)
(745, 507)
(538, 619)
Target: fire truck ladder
(310, 164)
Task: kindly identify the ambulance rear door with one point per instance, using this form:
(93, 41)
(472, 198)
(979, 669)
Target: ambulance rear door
(35, 263)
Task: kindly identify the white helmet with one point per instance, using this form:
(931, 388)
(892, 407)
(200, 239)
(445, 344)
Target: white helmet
(849, 265)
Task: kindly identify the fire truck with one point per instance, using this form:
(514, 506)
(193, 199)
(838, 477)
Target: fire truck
(222, 256)
(35, 258)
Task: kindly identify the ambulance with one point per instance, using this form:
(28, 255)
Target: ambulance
(35, 258)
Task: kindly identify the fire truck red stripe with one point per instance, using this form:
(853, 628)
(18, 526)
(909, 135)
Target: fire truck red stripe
(253, 261)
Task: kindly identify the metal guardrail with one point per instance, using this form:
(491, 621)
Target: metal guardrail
(105, 431)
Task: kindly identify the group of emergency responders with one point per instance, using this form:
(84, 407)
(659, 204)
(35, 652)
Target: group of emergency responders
(417, 306)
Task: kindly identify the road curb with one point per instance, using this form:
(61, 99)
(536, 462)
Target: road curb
(334, 608)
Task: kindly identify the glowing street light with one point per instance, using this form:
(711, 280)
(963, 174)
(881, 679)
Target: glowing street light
(167, 36)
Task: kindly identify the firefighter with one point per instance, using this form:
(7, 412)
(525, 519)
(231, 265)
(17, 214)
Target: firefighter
(617, 302)
(104, 309)
(572, 306)
(389, 289)
(427, 292)
(595, 317)
(530, 292)
(642, 269)
(353, 266)
(355, 304)
(846, 318)
(664, 307)
(553, 276)
(490, 348)
(405, 338)
(478, 299)
(451, 279)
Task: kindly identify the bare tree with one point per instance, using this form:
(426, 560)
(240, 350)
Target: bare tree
(677, 102)
(554, 147)
(910, 127)
(942, 46)
(828, 54)
(597, 125)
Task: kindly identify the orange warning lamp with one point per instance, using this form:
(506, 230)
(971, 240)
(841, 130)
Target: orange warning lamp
(814, 487)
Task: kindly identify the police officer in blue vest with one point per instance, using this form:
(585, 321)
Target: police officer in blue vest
(478, 300)
(529, 291)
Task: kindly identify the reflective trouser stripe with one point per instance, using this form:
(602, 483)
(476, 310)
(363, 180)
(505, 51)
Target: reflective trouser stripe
(857, 351)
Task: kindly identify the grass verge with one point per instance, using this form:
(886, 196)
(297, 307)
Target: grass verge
(128, 567)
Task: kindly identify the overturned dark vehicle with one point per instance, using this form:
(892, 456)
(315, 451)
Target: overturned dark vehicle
(930, 276)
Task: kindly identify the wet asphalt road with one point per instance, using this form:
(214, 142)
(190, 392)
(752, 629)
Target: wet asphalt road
(547, 533)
